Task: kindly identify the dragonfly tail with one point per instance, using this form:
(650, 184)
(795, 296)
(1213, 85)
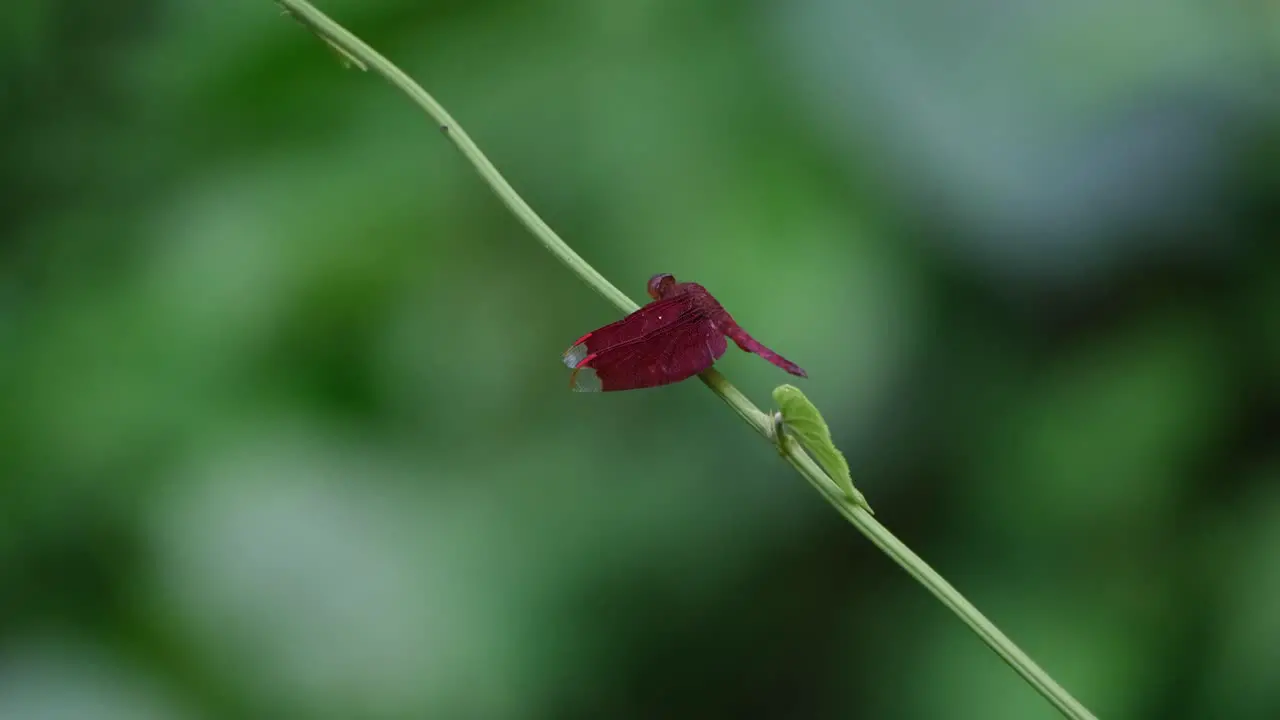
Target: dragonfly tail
(751, 345)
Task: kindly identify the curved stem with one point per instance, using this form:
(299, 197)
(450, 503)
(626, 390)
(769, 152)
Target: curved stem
(352, 47)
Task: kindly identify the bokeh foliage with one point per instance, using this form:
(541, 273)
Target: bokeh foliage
(284, 431)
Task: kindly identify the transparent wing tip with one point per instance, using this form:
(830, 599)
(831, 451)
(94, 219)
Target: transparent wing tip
(575, 355)
(586, 380)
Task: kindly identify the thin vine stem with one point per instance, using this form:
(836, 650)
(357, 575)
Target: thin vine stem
(351, 47)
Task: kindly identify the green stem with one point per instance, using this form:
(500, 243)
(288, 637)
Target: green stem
(366, 57)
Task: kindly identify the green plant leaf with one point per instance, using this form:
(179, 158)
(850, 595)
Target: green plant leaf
(805, 422)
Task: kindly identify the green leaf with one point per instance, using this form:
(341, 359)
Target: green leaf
(806, 423)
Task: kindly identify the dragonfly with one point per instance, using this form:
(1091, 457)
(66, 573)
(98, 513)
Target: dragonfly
(678, 335)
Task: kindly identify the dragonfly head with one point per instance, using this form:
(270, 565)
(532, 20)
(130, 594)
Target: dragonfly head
(660, 285)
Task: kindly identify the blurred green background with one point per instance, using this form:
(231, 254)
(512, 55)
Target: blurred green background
(284, 431)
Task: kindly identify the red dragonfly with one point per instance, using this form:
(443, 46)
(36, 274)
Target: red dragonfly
(678, 335)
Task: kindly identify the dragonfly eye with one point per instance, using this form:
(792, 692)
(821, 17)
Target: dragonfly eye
(659, 285)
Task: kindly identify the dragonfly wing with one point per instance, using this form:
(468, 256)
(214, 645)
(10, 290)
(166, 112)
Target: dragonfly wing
(672, 354)
(645, 321)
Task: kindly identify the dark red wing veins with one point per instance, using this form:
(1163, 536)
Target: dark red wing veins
(748, 343)
(670, 354)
